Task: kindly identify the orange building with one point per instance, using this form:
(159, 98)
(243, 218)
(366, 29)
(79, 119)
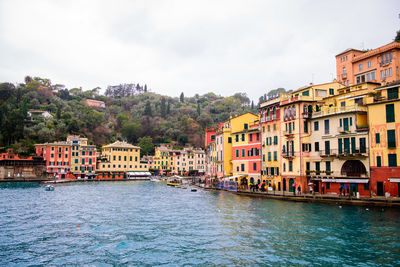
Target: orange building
(378, 65)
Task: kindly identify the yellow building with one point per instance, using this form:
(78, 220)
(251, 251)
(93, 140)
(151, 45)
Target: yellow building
(83, 157)
(384, 134)
(339, 142)
(119, 159)
(296, 109)
(164, 159)
(271, 143)
(243, 149)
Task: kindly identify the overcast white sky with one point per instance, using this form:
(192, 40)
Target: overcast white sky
(191, 46)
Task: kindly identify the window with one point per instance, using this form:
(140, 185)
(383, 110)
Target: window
(250, 137)
(360, 67)
(275, 140)
(343, 104)
(242, 167)
(290, 166)
(237, 138)
(246, 126)
(229, 140)
(254, 166)
(316, 146)
(316, 126)
(392, 160)
(328, 166)
(269, 156)
(258, 136)
(327, 148)
(369, 64)
(391, 136)
(393, 93)
(378, 161)
(305, 127)
(263, 157)
(331, 91)
(317, 167)
(326, 122)
(275, 156)
(377, 138)
(284, 167)
(306, 93)
(243, 137)
(243, 153)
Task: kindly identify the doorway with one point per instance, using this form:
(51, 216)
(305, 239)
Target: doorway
(279, 187)
(291, 182)
(316, 186)
(379, 188)
(353, 189)
(284, 184)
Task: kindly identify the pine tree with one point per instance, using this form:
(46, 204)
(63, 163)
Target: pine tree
(198, 109)
(163, 108)
(169, 107)
(252, 104)
(182, 98)
(147, 109)
(145, 87)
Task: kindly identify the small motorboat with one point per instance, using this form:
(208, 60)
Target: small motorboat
(175, 181)
(193, 190)
(49, 188)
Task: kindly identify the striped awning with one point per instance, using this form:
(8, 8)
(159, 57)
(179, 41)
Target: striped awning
(139, 173)
(347, 181)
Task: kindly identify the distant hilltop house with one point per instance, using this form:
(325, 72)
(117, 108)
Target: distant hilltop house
(39, 114)
(95, 103)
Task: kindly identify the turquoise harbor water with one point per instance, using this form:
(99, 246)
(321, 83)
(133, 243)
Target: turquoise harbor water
(145, 223)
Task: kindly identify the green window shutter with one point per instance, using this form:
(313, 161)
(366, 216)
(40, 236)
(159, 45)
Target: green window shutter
(378, 161)
(305, 127)
(377, 138)
(353, 145)
(391, 138)
(243, 153)
(269, 156)
(340, 123)
(390, 113)
(328, 165)
(264, 157)
(237, 153)
(340, 145)
(392, 160)
(275, 156)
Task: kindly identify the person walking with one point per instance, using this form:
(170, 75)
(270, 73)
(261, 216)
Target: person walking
(299, 190)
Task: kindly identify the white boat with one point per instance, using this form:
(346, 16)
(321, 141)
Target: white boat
(49, 188)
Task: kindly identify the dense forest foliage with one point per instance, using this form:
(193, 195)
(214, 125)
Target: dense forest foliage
(132, 113)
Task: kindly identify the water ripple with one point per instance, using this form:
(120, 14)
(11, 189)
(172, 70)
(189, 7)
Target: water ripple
(147, 224)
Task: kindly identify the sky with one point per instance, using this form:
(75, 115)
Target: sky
(194, 47)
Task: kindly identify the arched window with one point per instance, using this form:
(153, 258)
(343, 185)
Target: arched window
(353, 168)
(285, 111)
(290, 112)
(305, 109)
(294, 111)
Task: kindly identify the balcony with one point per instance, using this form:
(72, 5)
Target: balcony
(328, 153)
(288, 133)
(339, 110)
(341, 129)
(306, 115)
(353, 153)
(287, 154)
(344, 75)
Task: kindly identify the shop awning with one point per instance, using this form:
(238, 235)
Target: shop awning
(347, 181)
(394, 180)
(231, 177)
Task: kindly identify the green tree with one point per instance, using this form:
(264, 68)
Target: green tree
(121, 119)
(397, 38)
(198, 109)
(146, 145)
(252, 104)
(169, 107)
(182, 98)
(183, 139)
(163, 108)
(131, 131)
(147, 109)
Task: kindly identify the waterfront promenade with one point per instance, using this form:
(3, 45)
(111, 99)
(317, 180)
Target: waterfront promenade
(322, 198)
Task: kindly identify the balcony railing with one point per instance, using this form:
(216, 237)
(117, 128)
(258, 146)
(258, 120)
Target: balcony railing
(338, 110)
(328, 153)
(287, 133)
(353, 152)
(306, 115)
(288, 154)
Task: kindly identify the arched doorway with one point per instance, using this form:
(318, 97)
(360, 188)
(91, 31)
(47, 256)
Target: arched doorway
(353, 168)
(291, 182)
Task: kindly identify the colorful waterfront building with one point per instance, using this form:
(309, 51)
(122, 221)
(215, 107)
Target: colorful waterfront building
(120, 160)
(13, 166)
(339, 143)
(296, 109)
(271, 143)
(83, 157)
(221, 146)
(164, 159)
(384, 134)
(378, 65)
(246, 149)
